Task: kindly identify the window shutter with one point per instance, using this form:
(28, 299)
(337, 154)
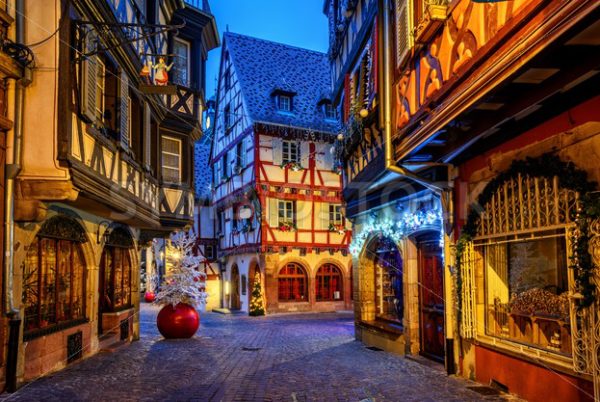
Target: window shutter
(404, 38)
(328, 157)
(303, 215)
(304, 154)
(273, 212)
(277, 145)
(321, 216)
(89, 67)
(124, 104)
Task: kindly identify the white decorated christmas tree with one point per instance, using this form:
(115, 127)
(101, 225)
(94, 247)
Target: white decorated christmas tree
(185, 281)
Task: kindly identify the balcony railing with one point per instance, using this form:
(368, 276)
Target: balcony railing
(185, 102)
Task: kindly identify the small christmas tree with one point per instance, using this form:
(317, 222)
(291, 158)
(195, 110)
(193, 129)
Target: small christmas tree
(184, 281)
(256, 302)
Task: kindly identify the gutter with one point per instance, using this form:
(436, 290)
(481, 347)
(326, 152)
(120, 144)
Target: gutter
(386, 111)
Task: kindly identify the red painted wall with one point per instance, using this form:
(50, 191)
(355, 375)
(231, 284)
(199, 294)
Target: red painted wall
(530, 381)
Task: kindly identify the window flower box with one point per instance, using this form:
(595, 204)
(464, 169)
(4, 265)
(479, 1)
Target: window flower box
(433, 19)
(293, 166)
(337, 228)
(286, 226)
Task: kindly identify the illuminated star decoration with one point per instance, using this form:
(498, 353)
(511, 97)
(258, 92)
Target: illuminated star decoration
(396, 230)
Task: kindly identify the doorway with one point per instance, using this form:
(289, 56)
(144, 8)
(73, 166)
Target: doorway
(234, 297)
(431, 299)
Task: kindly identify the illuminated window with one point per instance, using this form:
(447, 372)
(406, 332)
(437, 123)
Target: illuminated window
(171, 159)
(292, 283)
(328, 284)
(54, 276)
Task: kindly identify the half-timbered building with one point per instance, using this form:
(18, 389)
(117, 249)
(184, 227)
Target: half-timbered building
(204, 215)
(505, 94)
(396, 223)
(109, 125)
(276, 191)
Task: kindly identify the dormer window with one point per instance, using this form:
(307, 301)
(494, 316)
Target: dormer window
(285, 103)
(329, 110)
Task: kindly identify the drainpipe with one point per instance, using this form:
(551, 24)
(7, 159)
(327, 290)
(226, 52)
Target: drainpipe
(387, 45)
(390, 163)
(11, 172)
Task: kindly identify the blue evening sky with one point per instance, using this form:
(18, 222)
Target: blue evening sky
(293, 22)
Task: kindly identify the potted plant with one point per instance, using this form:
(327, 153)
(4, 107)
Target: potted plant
(182, 290)
(286, 226)
(292, 165)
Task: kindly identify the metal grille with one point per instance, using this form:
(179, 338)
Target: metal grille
(124, 329)
(523, 204)
(467, 311)
(74, 346)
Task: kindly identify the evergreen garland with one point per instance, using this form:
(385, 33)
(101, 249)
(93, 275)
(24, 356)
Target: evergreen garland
(569, 177)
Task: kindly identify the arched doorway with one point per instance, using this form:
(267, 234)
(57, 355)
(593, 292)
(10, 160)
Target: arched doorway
(234, 296)
(431, 296)
(116, 276)
(387, 271)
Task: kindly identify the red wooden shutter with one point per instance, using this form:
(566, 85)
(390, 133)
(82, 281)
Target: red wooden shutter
(347, 97)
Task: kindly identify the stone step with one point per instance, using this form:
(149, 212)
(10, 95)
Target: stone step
(107, 339)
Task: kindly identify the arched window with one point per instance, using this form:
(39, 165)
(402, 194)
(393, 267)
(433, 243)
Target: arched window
(329, 283)
(116, 277)
(293, 283)
(54, 275)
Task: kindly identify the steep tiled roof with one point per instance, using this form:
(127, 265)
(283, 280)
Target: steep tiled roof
(202, 170)
(263, 66)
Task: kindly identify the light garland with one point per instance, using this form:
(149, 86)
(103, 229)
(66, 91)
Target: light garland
(395, 230)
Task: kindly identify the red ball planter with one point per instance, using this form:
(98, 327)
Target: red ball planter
(149, 297)
(181, 321)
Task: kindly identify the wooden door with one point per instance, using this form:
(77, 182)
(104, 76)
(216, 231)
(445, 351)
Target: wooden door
(235, 289)
(431, 300)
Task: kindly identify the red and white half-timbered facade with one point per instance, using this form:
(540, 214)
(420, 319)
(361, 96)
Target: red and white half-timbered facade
(276, 192)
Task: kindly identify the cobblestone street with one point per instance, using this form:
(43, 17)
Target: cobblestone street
(238, 358)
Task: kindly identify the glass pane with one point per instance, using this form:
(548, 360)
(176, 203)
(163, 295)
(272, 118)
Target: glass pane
(64, 280)
(48, 293)
(30, 286)
(170, 145)
(526, 290)
(78, 286)
(118, 273)
(126, 278)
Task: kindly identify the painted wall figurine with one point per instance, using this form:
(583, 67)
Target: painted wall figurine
(161, 77)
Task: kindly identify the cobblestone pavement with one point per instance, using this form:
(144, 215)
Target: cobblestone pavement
(292, 358)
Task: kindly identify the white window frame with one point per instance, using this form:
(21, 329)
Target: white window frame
(330, 112)
(290, 151)
(286, 211)
(179, 156)
(227, 117)
(188, 66)
(100, 106)
(335, 215)
(287, 105)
